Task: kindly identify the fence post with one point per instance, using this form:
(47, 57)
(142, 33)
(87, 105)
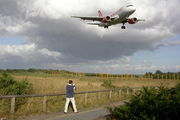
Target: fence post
(120, 94)
(110, 94)
(86, 98)
(127, 91)
(99, 95)
(44, 104)
(12, 105)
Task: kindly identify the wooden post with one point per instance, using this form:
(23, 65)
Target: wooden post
(107, 76)
(13, 105)
(110, 94)
(44, 104)
(142, 77)
(86, 98)
(120, 94)
(127, 91)
(122, 76)
(134, 90)
(99, 95)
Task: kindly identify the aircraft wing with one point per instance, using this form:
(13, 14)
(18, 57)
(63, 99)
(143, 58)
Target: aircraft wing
(140, 20)
(93, 23)
(89, 18)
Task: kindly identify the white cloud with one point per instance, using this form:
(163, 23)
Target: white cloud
(25, 52)
(173, 43)
(146, 62)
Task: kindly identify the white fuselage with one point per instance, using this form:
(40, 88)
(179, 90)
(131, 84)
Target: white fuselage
(122, 14)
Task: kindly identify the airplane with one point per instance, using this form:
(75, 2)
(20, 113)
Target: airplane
(120, 16)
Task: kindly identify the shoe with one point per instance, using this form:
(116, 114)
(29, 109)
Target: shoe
(65, 112)
(75, 112)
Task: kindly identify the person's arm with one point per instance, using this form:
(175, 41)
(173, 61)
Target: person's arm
(74, 87)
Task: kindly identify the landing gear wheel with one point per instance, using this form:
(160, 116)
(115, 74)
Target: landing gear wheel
(123, 27)
(105, 26)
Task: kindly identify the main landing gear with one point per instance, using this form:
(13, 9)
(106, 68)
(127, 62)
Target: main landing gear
(105, 26)
(123, 27)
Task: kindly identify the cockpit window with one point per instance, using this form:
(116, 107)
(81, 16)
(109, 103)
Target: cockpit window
(129, 5)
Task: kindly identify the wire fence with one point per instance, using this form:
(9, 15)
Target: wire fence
(13, 97)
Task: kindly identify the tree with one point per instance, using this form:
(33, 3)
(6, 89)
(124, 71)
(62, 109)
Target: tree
(32, 70)
(158, 72)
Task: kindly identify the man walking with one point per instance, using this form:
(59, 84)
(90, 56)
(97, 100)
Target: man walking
(70, 96)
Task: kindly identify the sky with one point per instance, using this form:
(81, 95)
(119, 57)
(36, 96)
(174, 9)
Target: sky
(41, 34)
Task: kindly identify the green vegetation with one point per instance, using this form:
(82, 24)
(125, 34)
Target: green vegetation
(108, 84)
(9, 86)
(150, 104)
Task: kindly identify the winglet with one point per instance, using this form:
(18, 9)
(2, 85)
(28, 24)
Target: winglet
(100, 14)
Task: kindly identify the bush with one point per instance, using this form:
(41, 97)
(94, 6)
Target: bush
(150, 104)
(9, 86)
(108, 84)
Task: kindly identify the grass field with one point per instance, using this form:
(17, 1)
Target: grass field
(44, 83)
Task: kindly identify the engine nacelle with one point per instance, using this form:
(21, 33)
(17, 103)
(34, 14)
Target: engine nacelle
(106, 19)
(133, 21)
(103, 24)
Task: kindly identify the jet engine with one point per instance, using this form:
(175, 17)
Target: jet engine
(133, 21)
(106, 19)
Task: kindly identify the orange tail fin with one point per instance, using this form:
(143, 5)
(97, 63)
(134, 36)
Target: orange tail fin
(100, 14)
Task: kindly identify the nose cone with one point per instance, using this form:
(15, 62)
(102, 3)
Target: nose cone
(132, 9)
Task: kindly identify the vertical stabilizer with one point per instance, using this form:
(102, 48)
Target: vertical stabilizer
(100, 14)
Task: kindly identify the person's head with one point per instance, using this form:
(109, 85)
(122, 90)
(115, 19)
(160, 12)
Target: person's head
(70, 81)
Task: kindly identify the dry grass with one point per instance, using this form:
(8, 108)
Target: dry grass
(43, 84)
